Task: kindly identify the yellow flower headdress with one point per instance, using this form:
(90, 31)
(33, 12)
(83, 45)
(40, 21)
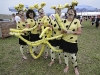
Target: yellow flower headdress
(25, 9)
(16, 7)
(30, 7)
(59, 6)
(36, 6)
(73, 4)
(19, 7)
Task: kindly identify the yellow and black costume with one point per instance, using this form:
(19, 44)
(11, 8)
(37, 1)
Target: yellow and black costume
(34, 34)
(20, 26)
(56, 32)
(44, 21)
(70, 40)
(31, 23)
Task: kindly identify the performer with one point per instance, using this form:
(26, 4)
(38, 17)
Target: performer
(42, 26)
(56, 31)
(31, 22)
(70, 38)
(21, 25)
(92, 20)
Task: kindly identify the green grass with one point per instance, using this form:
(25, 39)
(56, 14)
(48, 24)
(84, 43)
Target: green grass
(11, 62)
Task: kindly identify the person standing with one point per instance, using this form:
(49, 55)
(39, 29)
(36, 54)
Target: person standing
(13, 17)
(70, 39)
(30, 23)
(17, 17)
(98, 21)
(21, 24)
(56, 29)
(42, 26)
(92, 20)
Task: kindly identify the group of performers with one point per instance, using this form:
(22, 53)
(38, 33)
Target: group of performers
(68, 42)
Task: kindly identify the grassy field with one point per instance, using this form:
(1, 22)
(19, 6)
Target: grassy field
(11, 62)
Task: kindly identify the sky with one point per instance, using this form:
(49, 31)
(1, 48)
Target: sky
(5, 4)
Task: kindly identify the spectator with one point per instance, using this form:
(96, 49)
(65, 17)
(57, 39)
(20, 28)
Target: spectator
(93, 20)
(17, 18)
(13, 17)
(66, 16)
(97, 21)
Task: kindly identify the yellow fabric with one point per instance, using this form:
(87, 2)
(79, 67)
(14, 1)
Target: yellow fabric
(22, 25)
(46, 21)
(56, 29)
(71, 37)
(32, 23)
(39, 22)
(45, 41)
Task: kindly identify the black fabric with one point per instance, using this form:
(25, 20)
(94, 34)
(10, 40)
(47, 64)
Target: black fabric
(97, 22)
(55, 42)
(93, 19)
(92, 23)
(21, 42)
(34, 37)
(69, 47)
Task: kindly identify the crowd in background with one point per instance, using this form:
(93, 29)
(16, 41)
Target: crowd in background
(95, 20)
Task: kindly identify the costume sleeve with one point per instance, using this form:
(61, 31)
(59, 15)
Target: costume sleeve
(36, 24)
(18, 25)
(46, 21)
(78, 23)
(28, 21)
